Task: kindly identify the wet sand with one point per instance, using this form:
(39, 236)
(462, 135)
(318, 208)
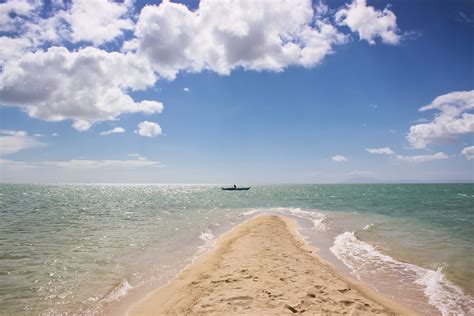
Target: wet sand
(263, 267)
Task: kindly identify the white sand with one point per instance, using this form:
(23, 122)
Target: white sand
(263, 267)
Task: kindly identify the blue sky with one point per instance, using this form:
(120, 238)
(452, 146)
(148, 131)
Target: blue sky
(254, 114)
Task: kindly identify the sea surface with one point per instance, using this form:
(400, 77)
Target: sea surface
(77, 249)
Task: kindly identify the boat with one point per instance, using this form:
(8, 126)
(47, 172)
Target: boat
(236, 188)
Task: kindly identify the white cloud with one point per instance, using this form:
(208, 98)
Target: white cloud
(186, 89)
(30, 31)
(381, 151)
(54, 134)
(87, 86)
(84, 164)
(369, 23)
(12, 12)
(222, 36)
(454, 119)
(13, 141)
(423, 158)
(339, 158)
(101, 164)
(81, 170)
(94, 21)
(137, 156)
(148, 129)
(115, 130)
(13, 48)
(468, 152)
(98, 21)
(91, 85)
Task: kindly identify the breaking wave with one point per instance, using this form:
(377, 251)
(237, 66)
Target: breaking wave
(362, 258)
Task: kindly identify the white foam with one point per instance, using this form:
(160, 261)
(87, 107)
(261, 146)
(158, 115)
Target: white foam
(363, 258)
(318, 219)
(369, 226)
(251, 212)
(208, 238)
(447, 297)
(120, 291)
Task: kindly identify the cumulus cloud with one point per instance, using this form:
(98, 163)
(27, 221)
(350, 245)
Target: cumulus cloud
(218, 36)
(369, 23)
(98, 21)
(13, 12)
(423, 158)
(91, 85)
(468, 152)
(33, 25)
(380, 151)
(14, 141)
(148, 129)
(454, 119)
(339, 158)
(86, 86)
(186, 89)
(116, 130)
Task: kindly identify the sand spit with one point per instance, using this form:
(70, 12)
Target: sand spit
(263, 267)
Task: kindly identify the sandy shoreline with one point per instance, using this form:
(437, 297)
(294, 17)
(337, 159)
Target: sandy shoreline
(263, 267)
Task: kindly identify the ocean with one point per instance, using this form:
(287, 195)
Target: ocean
(79, 248)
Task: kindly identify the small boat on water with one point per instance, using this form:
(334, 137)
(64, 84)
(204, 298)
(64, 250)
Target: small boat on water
(235, 188)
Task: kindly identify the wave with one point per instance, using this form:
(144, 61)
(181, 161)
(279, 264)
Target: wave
(363, 258)
(318, 219)
(369, 226)
(119, 291)
(208, 238)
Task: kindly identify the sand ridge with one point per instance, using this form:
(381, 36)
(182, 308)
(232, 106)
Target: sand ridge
(263, 267)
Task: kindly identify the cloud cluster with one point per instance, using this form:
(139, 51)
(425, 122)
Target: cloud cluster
(97, 21)
(116, 130)
(101, 164)
(222, 36)
(468, 152)
(369, 23)
(416, 158)
(93, 21)
(455, 118)
(87, 86)
(13, 141)
(12, 12)
(339, 158)
(380, 151)
(422, 158)
(148, 129)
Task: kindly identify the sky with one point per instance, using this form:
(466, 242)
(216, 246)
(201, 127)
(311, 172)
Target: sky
(246, 92)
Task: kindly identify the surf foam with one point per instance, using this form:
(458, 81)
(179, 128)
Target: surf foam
(119, 291)
(363, 259)
(318, 219)
(208, 238)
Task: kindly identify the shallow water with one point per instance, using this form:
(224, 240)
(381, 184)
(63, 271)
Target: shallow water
(80, 247)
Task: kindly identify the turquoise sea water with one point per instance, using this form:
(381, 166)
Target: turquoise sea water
(80, 248)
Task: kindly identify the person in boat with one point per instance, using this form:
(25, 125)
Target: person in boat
(235, 187)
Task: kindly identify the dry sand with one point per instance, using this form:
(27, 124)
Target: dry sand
(263, 267)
